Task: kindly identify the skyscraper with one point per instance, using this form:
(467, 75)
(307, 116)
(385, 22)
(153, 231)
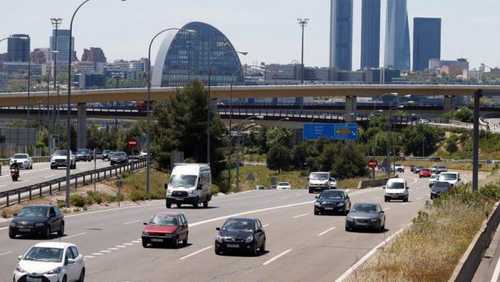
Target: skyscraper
(18, 48)
(341, 35)
(370, 34)
(397, 36)
(63, 41)
(426, 42)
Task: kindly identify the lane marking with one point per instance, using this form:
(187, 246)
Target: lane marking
(113, 249)
(131, 222)
(5, 253)
(326, 231)
(97, 254)
(496, 272)
(120, 246)
(387, 209)
(105, 251)
(265, 225)
(75, 235)
(128, 244)
(89, 257)
(136, 241)
(300, 215)
(195, 253)
(369, 254)
(276, 257)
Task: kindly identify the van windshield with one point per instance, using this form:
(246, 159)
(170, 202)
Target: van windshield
(177, 181)
(319, 176)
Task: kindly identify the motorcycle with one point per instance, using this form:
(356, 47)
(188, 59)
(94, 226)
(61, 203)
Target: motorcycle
(14, 172)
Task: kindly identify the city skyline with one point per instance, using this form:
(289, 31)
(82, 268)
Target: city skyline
(397, 36)
(141, 22)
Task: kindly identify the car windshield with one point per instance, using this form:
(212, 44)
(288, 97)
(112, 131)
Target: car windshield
(119, 154)
(396, 185)
(239, 225)
(368, 208)
(44, 254)
(20, 156)
(60, 153)
(183, 180)
(319, 176)
(83, 151)
(283, 184)
(332, 195)
(34, 212)
(448, 176)
(164, 220)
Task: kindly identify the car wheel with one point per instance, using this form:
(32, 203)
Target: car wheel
(185, 241)
(255, 250)
(386, 200)
(60, 233)
(65, 279)
(263, 247)
(48, 232)
(168, 205)
(195, 204)
(405, 200)
(218, 251)
(12, 234)
(205, 204)
(310, 191)
(82, 276)
(179, 205)
(348, 229)
(316, 212)
(144, 243)
(346, 212)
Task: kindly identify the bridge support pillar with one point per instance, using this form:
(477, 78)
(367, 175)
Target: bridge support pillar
(450, 103)
(351, 105)
(81, 139)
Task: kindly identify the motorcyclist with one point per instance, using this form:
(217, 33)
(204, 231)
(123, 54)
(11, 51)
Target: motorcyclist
(14, 171)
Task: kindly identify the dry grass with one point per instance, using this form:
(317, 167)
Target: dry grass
(432, 247)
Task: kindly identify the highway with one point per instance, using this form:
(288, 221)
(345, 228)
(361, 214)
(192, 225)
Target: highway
(41, 172)
(301, 246)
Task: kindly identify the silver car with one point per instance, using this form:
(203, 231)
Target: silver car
(366, 216)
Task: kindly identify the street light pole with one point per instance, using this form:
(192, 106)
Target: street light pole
(68, 118)
(303, 23)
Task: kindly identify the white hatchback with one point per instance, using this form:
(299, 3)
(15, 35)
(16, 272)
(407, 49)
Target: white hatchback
(283, 186)
(51, 261)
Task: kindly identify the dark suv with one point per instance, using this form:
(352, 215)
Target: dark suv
(40, 220)
(83, 155)
(332, 201)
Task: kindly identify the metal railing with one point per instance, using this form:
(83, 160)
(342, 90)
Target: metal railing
(16, 196)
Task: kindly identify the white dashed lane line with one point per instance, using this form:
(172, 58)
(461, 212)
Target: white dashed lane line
(5, 253)
(131, 222)
(326, 231)
(277, 257)
(195, 253)
(300, 215)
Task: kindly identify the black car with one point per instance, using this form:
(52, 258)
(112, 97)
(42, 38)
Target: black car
(332, 201)
(365, 216)
(244, 234)
(41, 220)
(83, 155)
(106, 154)
(438, 188)
(118, 158)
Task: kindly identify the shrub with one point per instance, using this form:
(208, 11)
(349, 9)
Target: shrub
(77, 200)
(95, 197)
(137, 195)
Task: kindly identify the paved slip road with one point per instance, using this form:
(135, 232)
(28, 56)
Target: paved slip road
(301, 246)
(41, 172)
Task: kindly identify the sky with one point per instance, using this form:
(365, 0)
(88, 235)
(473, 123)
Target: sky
(266, 29)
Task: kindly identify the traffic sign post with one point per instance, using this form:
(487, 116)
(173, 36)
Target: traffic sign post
(373, 164)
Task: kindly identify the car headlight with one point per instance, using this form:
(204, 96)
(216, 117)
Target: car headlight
(340, 204)
(350, 219)
(249, 239)
(20, 269)
(219, 238)
(55, 271)
(12, 224)
(318, 204)
(169, 192)
(145, 233)
(39, 224)
(374, 219)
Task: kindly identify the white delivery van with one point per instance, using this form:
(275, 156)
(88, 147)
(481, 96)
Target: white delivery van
(189, 184)
(396, 189)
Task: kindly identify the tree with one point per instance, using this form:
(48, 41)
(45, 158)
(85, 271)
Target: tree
(350, 162)
(421, 139)
(279, 136)
(451, 144)
(278, 158)
(182, 126)
(464, 114)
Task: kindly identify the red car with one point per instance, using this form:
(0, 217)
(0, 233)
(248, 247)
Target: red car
(166, 228)
(425, 172)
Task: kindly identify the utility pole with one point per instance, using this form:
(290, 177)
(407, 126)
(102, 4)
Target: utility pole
(303, 23)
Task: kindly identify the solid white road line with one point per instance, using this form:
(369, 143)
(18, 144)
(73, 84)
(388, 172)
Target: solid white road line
(326, 231)
(496, 272)
(276, 257)
(5, 253)
(73, 236)
(300, 215)
(131, 222)
(195, 253)
(369, 254)
(265, 225)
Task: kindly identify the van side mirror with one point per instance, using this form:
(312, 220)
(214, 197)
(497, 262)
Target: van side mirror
(166, 186)
(317, 197)
(384, 187)
(217, 228)
(19, 258)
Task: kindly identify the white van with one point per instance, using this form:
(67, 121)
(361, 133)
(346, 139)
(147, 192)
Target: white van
(189, 184)
(319, 181)
(396, 189)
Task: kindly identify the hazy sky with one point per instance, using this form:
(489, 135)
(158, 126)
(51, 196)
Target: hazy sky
(267, 29)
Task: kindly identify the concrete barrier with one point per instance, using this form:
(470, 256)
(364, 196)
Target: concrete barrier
(369, 183)
(468, 264)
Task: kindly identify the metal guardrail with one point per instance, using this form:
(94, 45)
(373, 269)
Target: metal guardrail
(16, 196)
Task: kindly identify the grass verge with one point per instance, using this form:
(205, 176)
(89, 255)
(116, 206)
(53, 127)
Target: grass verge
(431, 248)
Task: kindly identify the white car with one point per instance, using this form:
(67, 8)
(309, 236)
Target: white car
(59, 159)
(396, 189)
(319, 181)
(51, 261)
(283, 186)
(451, 177)
(24, 160)
(399, 168)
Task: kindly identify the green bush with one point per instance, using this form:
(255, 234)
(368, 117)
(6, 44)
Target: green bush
(77, 200)
(137, 195)
(95, 197)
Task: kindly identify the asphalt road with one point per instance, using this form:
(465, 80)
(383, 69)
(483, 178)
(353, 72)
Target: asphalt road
(41, 172)
(301, 246)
